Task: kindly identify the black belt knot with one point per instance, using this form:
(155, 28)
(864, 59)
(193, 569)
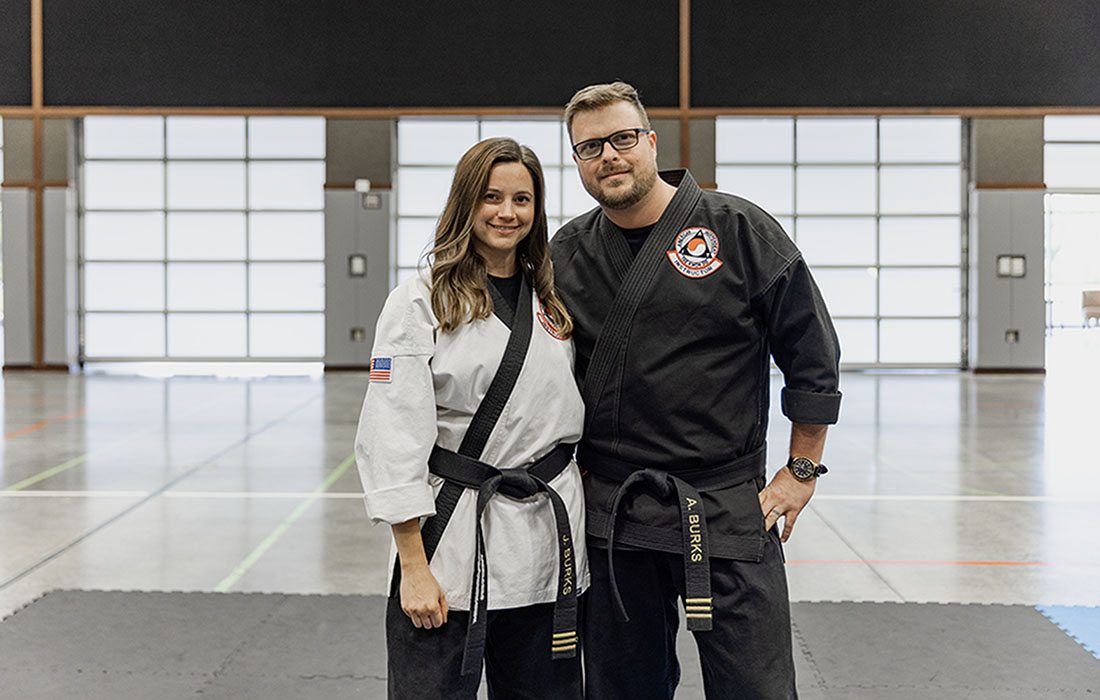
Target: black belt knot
(698, 602)
(519, 483)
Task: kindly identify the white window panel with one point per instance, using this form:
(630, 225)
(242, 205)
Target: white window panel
(1072, 165)
(206, 185)
(287, 335)
(920, 341)
(922, 189)
(123, 286)
(1072, 128)
(432, 142)
(920, 292)
(738, 140)
(287, 286)
(206, 137)
(552, 178)
(123, 137)
(124, 236)
(544, 138)
(842, 190)
(126, 185)
(566, 145)
(922, 140)
(406, 273)
(830, 140)
(286, 137)
(414, 240)
(1072, 203)
(123, 335)
(769, 187)
(206, 286)
(287, 236)
(423, 191)
(837, 241)
(207, 335)
(203, 236)
(848, 292)
(788, 224)
(920, 241)
(286, 185)
(575, 199)
(858, 340)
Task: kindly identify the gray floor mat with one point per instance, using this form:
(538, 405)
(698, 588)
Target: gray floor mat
(120, 645)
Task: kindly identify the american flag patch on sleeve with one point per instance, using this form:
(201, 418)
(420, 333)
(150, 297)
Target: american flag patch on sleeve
(381, 369)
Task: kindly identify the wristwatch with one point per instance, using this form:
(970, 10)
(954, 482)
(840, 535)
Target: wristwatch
(804, 468)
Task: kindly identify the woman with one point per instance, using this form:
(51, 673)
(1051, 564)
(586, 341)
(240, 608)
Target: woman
(470, 417)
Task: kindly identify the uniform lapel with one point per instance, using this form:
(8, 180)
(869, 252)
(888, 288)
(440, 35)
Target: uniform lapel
(637, 279)
(615, 248)
(501, 308)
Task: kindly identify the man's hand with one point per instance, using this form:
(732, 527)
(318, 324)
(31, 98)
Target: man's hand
(785, 496)
(421, 597)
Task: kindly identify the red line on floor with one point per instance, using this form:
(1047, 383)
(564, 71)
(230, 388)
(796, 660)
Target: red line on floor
(936, 562)
(42, 424)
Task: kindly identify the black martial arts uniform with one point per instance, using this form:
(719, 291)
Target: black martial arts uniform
(673, 347)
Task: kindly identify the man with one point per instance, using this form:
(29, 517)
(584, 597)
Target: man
(679, 298)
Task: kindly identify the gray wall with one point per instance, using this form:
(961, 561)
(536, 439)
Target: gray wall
(59, 245)
(356, 224)
(1006, 218)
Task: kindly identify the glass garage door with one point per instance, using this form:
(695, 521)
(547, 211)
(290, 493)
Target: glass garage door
(876, 205)
(202, 238)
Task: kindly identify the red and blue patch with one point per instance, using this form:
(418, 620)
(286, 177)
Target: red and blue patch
(381, 369)
(547, 324)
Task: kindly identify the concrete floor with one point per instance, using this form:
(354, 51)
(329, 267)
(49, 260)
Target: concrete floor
(943, 487)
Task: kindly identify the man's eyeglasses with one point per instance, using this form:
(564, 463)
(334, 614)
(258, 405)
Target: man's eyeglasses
(621, 141)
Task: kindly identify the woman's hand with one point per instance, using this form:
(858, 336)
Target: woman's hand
(421, 597)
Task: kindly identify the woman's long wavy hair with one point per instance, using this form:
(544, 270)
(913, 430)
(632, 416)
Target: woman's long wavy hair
(460, 283)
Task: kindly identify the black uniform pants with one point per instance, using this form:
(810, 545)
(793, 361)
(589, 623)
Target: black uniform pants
(747, 656)
(426, 664)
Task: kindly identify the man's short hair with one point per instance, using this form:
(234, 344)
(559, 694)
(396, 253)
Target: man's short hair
(596, 96)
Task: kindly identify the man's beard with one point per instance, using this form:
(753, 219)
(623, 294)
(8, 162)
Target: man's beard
(624, 198)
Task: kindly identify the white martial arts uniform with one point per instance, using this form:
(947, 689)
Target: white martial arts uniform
(434, 383)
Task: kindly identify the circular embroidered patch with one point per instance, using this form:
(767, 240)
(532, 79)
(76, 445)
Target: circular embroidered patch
(695, 252)
(547, 324)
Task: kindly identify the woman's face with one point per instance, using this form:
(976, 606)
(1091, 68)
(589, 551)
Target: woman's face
(504, 216)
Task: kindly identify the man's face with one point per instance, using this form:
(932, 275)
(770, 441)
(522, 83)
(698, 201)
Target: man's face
(616, 179)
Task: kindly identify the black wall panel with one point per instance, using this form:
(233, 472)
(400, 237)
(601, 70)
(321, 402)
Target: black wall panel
(15, 52)
(353, 53)
(904, 53)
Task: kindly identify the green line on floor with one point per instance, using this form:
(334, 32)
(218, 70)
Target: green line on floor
(278, 532)
(42, 476)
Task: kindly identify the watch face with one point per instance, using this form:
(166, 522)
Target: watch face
(803, 468)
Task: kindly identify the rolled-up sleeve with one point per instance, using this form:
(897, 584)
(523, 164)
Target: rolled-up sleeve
(805, 346)
(397, 426)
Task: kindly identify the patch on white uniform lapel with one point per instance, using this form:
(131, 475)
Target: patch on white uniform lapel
(381, 369)
(695, 252)
(547, 324)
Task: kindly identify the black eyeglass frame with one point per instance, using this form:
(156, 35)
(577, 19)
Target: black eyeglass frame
(638, 131)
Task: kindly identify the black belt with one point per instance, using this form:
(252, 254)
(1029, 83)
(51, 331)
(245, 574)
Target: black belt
(698, 602)
(515, 483)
